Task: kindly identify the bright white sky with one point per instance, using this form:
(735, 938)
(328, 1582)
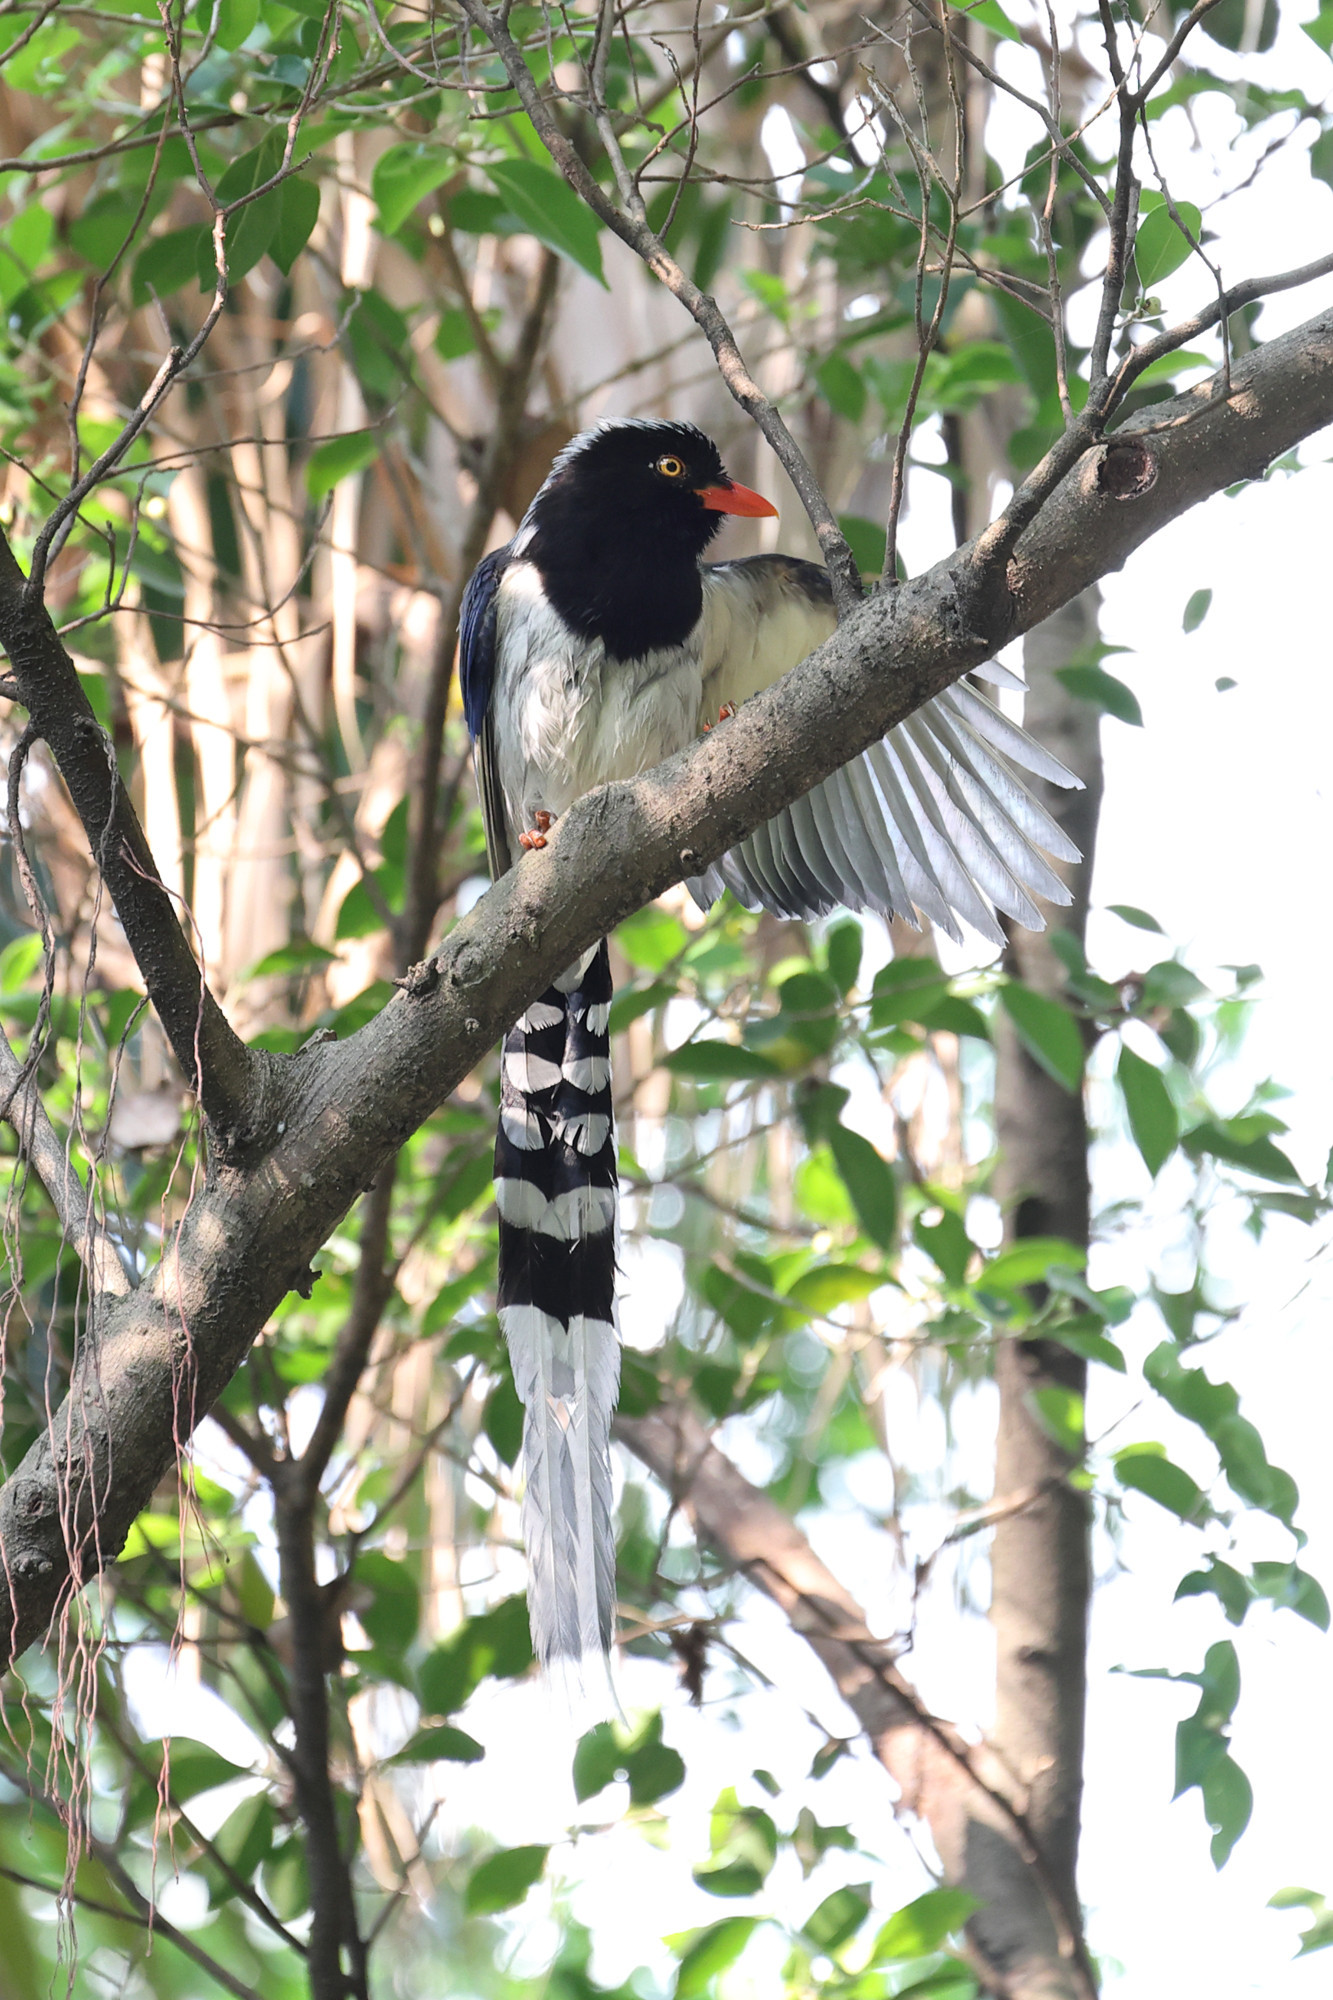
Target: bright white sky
(1219, 820)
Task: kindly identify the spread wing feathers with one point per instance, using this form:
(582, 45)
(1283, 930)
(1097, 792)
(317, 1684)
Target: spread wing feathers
(932, 822)
(555, 1190)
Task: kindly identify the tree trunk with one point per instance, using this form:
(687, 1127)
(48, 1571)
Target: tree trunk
(1041, 1577)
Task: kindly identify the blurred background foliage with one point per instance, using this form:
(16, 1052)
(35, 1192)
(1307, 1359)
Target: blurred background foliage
(263, 604)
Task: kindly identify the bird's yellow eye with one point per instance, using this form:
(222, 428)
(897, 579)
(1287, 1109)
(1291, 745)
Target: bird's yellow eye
(670, 468)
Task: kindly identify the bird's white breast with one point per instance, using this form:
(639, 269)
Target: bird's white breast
(567, 717)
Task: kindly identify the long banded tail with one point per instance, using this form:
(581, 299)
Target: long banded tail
(555, 1190)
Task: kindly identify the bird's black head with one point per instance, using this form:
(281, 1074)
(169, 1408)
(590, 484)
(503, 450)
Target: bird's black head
(618, 529)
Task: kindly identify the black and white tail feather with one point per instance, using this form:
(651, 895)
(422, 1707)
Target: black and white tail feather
(592, 646)
(555, 1190)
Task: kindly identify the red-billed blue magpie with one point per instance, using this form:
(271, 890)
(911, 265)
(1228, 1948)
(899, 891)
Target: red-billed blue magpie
(593, 645)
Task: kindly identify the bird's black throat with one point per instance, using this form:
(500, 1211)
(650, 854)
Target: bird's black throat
(633, 606)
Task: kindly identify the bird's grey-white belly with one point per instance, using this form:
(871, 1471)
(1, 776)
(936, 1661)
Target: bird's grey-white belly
(567, 717)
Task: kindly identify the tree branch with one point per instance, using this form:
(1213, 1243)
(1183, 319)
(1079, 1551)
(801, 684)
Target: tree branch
(161, 1357)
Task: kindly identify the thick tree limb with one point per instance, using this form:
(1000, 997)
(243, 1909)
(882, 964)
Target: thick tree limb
(322, 1123)
(1028, 1933)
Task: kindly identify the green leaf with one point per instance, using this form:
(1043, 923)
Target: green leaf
(503, 1421)
(744, 1845)
(991, 15)
(598, 1759)
(1048, 1032)
(1160, 247)
(1153, 1118)
(550, 210)
(1140, 919)
(254, 1592)
(300, 955)
(453, 335)
(867, 541)
(869, 1181)
(948, 1242)
(244, 1839)
(1236, 1142)
(167, 262)
(195, 1768)
(1196, 610)
(635, 1001)
(922, 1926)
(1103, 691)
(1320, 1934)
(651, 938)
(494, 1643)
(1170, 984)
(730, 1878)
(1148, 1471)
(1228, 1802)
(843, 389)
(710, 1952)
(1060, 1414)
(236, 20)
(1291, 1588)
(286, 1880)
(907, 989)
(828, 1286)
(442, 1744)
(1028, 1262)
(842, 953)
(392, 1616)
(404, 176)
(337, 459)
(655, 1769)
(1320, 30)
(839, 1917)
(1221, 1581)
(1082, 1337)
(298, 212)
(504, 1879)
(719, 1062)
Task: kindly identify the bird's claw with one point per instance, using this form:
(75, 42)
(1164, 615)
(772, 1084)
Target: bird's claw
(724, 714)
(541, 827)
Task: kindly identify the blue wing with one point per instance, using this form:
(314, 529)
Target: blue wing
(476, 673)
(476, 638)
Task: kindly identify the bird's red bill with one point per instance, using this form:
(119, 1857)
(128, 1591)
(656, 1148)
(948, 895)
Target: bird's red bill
(735, 499)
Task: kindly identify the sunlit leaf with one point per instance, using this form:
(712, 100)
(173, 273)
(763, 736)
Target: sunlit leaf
(1149, 1472)
(923, 1925)
(504, 1879)
(1161, 247)
(1152, 1114)
(337, 458)
(711, 1951)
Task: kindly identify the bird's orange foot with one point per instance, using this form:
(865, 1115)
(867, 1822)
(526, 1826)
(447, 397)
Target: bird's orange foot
(724, 714)
(542, 822)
